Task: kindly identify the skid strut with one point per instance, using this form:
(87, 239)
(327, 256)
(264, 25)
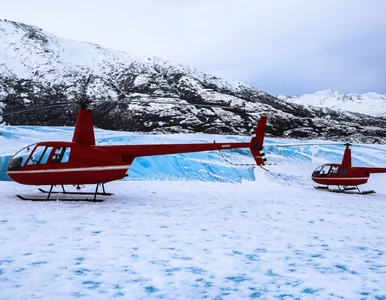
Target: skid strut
(64, 192)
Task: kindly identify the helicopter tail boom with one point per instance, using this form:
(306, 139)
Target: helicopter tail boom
(132, 151)
(371, 170)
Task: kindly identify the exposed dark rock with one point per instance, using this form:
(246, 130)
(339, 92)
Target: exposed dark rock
(113, 82)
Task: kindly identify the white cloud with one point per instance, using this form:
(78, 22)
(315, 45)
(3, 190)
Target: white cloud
(297, 44)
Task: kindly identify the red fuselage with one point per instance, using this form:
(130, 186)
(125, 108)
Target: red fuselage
(62, 163)
(337, 174)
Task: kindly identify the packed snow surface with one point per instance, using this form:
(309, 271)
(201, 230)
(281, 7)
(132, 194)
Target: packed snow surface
(250, 234)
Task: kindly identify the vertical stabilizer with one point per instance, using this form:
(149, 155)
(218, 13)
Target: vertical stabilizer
(84, 130)
(346, 161)
(257, 142)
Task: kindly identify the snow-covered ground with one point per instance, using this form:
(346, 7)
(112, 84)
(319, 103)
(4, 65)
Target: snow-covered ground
(226, 235)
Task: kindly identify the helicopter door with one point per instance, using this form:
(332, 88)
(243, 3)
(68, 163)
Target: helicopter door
(61, 155)
(334, 170)
(40, 155)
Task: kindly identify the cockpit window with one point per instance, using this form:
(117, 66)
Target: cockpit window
(18, 161)
(321, 171)
(61, 155)
(40, 155)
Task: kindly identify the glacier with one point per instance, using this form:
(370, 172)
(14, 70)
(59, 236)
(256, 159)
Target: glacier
(295, 162)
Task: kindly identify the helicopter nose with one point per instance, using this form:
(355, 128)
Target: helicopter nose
(19, 177)
(13, 177)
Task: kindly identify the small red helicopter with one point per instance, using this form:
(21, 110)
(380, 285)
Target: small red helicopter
(81, 162)
(344, 176)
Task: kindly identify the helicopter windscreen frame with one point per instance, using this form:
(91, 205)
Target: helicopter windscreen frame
(18, 161)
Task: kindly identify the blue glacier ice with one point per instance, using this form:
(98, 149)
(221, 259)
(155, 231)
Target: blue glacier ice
(202, 166)
(3, 167)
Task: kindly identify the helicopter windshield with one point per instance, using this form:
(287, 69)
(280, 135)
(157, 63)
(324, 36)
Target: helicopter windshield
(18, 161)
(39, 156)
(321, 171)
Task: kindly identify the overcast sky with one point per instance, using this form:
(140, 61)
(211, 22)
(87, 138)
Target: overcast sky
(279, 46)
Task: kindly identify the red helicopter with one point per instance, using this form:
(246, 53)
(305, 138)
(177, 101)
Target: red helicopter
(346, 177)
(81, 162)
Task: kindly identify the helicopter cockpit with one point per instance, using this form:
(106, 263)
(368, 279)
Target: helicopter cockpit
(328, 169)
(321, 171)
(40, 155)
(19, 159)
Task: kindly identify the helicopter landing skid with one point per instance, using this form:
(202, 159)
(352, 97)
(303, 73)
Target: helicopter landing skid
(346, 190)
(64, 192)
(352, 191)
(58, 199)
(321, 187)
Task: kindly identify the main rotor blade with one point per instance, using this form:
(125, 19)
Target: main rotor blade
(181, 103)
(324, 144)
(35, 108)
(304, 145)
(369, 147)
(129, 101)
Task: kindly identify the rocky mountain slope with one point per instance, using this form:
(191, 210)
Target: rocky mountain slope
(38, 68)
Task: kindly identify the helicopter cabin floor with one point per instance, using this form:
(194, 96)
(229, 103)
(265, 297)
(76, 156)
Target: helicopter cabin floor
(345, 190)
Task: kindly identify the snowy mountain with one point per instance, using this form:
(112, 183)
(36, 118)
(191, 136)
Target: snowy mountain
(372, 104)
(38, 68)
